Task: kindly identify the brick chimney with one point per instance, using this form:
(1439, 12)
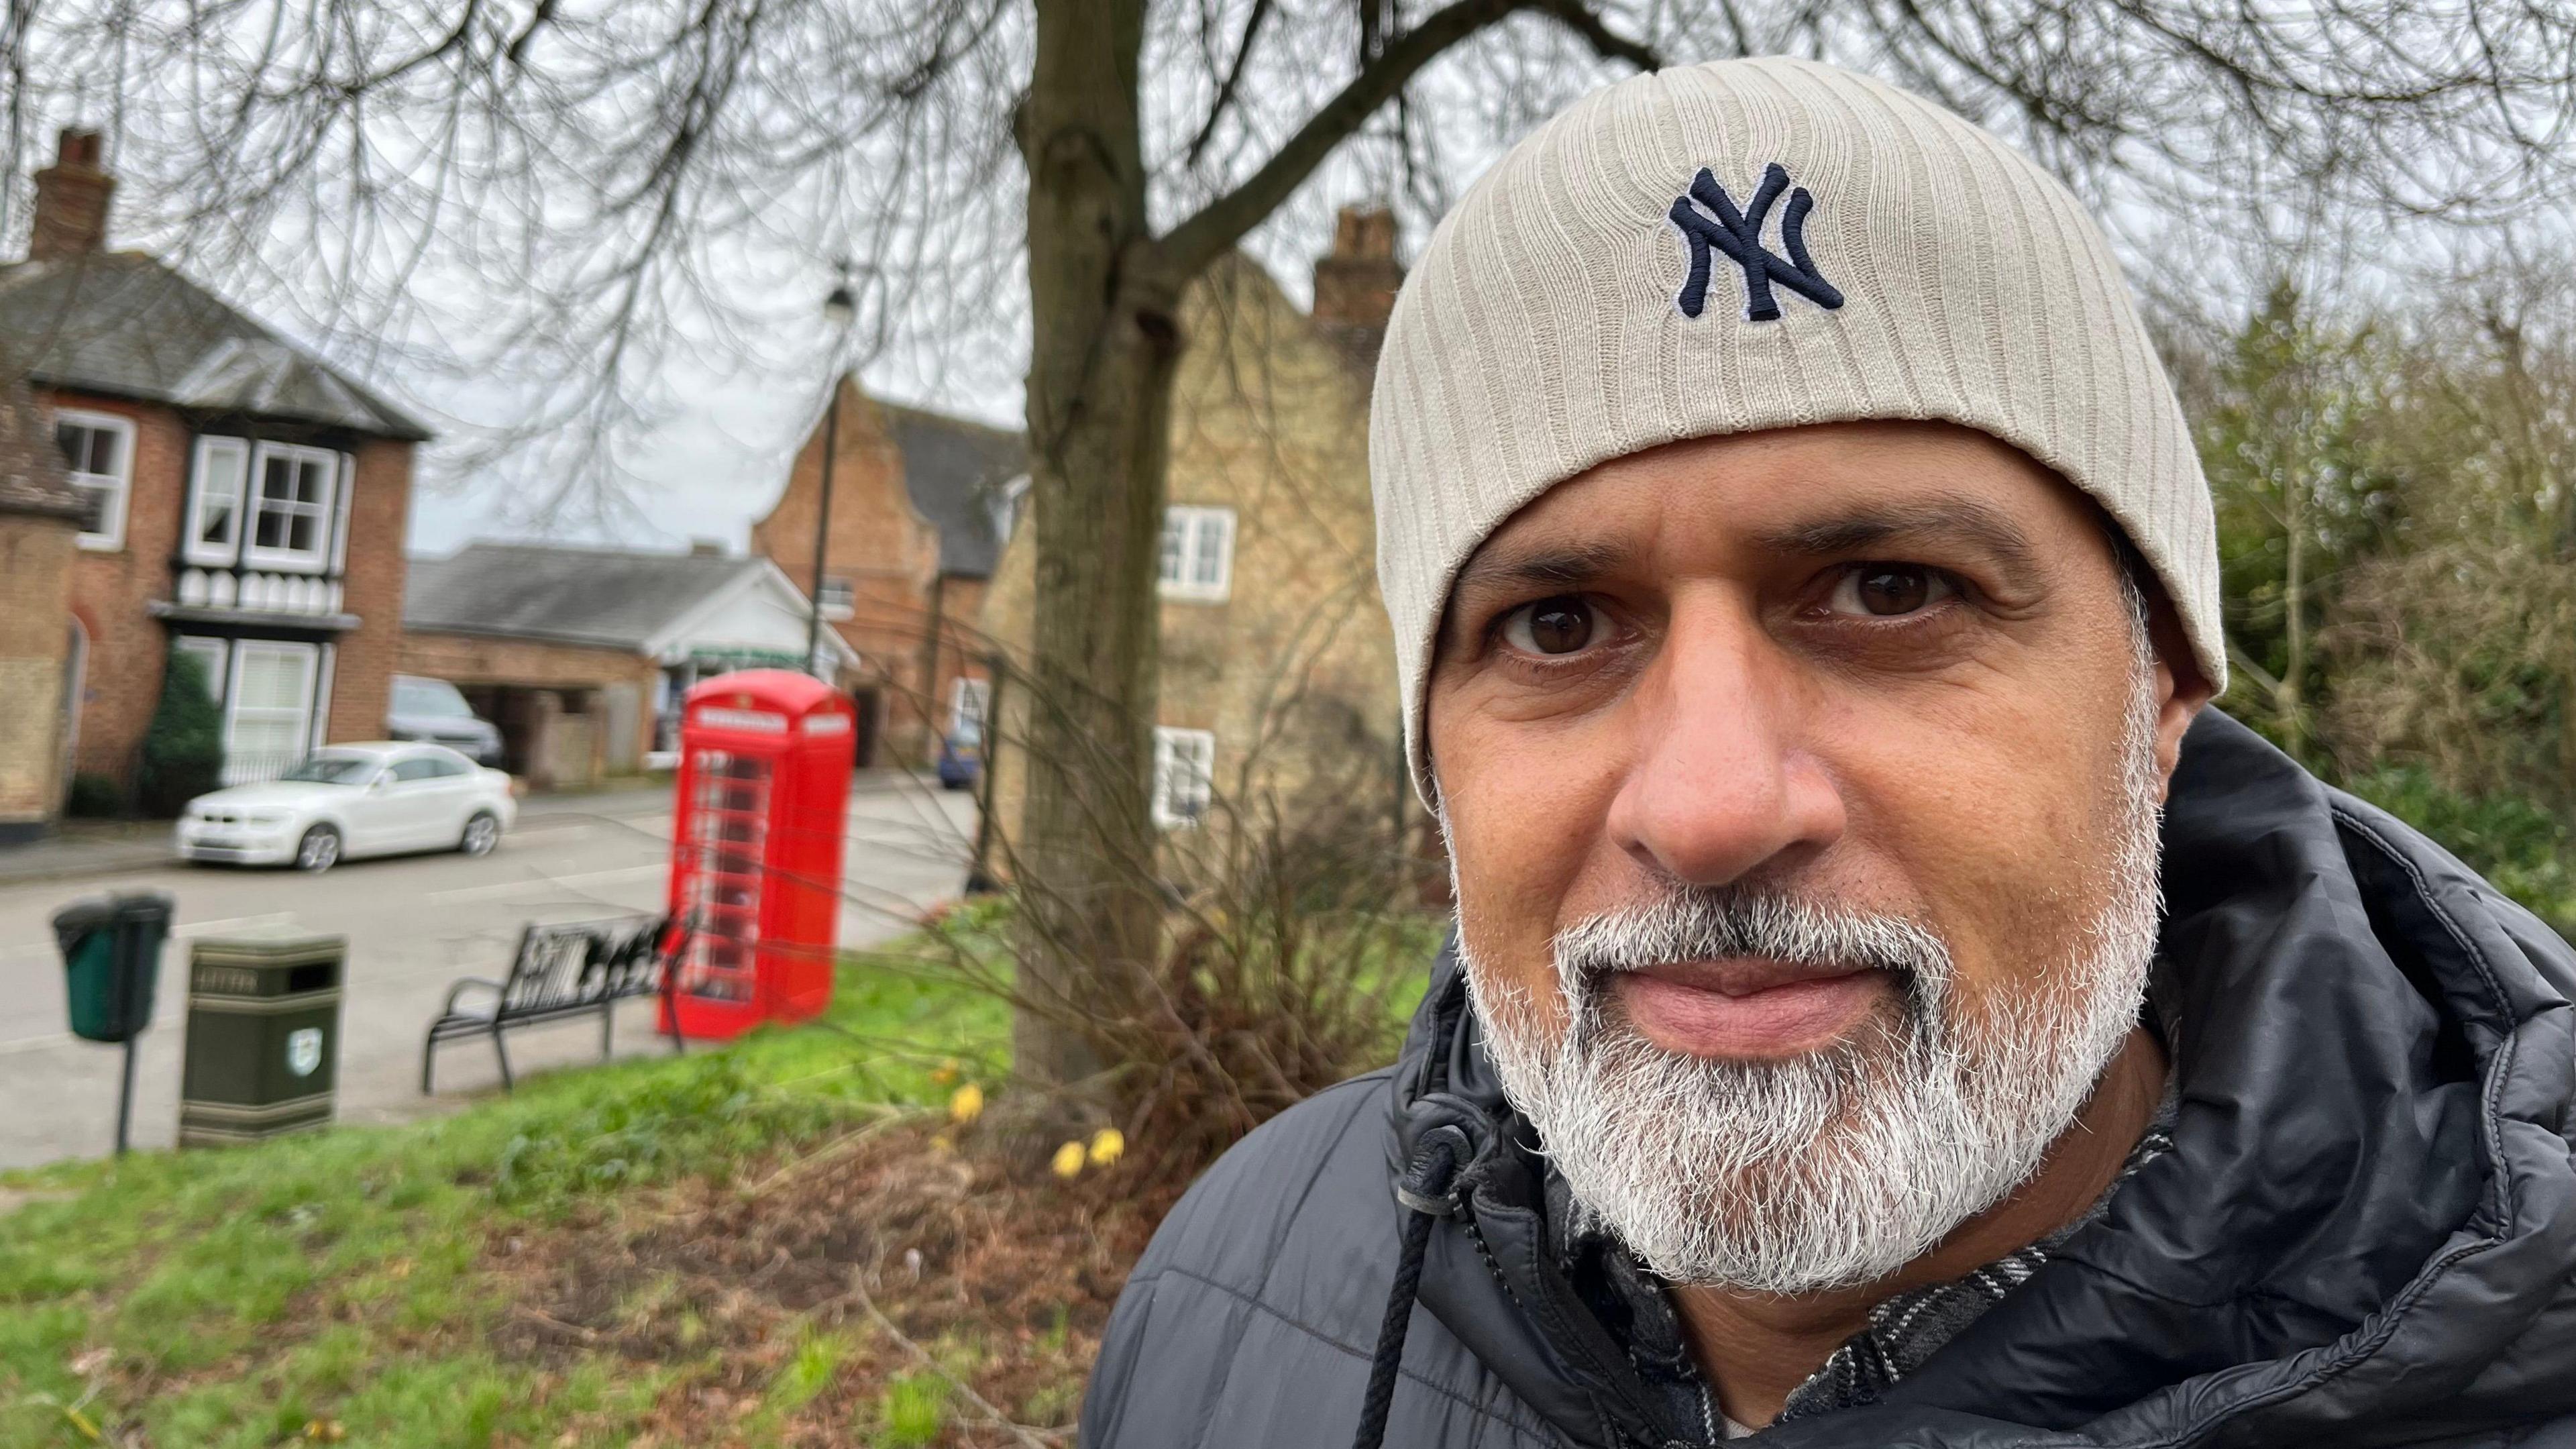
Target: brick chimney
(1355, 283)
(71, 200)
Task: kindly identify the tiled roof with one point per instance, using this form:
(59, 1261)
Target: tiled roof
(609, 598)
(124, 324)
(955, 471)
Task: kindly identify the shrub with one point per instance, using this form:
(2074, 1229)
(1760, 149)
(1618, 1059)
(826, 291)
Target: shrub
(183, 749)
(1292, 949)
(2520, 848)
(94, 797)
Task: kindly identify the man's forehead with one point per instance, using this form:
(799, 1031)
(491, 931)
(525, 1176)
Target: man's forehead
(1829, 491)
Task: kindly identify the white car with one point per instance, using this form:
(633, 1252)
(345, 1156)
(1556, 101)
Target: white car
(351, 800)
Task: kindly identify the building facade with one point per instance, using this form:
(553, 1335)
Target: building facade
(1277, 690)
(581, 655)
(243, 500)
(40, 519)
(920, 505)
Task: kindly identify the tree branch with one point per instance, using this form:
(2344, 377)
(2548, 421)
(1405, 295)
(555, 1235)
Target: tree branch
(1233, 79)
(1606, 43)
(1222, 222)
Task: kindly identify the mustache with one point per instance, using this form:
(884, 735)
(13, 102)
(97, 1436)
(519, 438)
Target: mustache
(1702, 923)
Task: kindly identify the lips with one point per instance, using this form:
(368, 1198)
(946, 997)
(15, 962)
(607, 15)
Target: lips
(1748, 1008)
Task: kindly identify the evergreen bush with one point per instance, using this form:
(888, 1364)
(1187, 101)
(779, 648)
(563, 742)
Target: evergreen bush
(183, 750)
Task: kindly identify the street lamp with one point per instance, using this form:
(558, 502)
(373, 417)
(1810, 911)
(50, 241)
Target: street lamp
(838, 309)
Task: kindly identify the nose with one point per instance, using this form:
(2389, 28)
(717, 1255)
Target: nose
(1723, 783)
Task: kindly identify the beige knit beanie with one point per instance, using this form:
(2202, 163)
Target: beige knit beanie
(1756, 244)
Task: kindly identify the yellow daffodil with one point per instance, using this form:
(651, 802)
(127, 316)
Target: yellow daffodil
(1068, 1160)
(1107, 1146)
(966, 1104)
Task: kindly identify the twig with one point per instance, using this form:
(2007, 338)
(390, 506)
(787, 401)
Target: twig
(1029, 1438)
(828, 1151)
(547, 1320)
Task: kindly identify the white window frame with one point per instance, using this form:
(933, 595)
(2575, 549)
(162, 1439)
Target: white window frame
(849, 591)
(1206, 535)
(228, 549)
(1171, 797)
(119, 488)
(242, 650)
(216, 654)
(314, 560)
(964, 689)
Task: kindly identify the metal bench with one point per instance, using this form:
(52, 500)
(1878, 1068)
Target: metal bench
(559, 971)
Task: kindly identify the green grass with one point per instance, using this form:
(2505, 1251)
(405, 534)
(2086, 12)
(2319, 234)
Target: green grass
(358, 1281)
(913, 1410)
(228, 1298)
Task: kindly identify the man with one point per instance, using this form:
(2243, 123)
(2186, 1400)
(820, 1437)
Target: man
(1886, 1007)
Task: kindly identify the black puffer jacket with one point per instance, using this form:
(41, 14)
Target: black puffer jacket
(2365, 1233)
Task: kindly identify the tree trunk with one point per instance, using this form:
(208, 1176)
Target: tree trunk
(1104, 343)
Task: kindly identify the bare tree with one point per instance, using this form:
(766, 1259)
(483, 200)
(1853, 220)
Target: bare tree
(605, 191)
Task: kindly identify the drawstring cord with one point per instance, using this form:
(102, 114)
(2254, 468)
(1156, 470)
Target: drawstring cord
(1424, 1191)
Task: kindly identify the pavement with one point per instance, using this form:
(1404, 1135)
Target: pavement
(415, 924)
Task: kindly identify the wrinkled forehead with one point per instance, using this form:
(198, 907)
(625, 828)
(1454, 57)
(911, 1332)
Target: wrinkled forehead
(1753, 503)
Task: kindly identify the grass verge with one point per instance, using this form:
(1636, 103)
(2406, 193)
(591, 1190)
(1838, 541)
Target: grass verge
(375, 1285)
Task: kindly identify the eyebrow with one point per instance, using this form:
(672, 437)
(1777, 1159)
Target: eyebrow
(1562, 566)
(1948, 517)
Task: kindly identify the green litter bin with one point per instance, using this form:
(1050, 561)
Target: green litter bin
(263, 1035)
(111, 949)
(112, 962)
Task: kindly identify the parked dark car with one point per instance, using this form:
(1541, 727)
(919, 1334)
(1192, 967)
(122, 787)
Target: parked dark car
(961, 758)
(432, 710)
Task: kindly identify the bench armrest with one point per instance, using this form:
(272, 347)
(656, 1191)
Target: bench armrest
(448, 1007)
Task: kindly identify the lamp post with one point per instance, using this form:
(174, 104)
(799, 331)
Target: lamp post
(838, 309)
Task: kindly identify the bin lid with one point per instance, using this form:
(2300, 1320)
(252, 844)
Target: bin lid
(88, 917)
(93, 913)
(274, 943)
(140, 906)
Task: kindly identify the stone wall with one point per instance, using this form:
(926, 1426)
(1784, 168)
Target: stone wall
(1293, 671)
(35, 644)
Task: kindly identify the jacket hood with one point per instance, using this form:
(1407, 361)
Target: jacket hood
(2365, 1232)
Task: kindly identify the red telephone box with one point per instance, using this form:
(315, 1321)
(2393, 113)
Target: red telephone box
(764, 791)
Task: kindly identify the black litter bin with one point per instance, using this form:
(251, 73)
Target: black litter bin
(263, 1035)
(111, 965)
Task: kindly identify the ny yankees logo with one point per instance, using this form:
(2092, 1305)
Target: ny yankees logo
(1739, 235)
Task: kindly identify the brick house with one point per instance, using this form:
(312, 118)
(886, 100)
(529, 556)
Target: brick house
(920, 506)
(245, 501)
(1277, 687)
(580, 655)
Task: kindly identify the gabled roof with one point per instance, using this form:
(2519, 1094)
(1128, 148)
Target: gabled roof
(956, 472)
(124, 324)
(608, 598)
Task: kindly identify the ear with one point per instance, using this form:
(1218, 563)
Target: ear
(2181, 689)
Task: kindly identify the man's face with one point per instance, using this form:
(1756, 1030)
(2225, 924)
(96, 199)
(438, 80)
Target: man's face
(1801, 791)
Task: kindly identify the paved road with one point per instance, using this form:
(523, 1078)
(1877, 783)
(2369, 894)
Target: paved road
(414, 925)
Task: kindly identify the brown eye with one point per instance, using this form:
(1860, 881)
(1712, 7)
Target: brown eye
(1889, 590)
(1552, 626)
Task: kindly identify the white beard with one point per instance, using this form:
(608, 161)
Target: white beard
(1838, 1168)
